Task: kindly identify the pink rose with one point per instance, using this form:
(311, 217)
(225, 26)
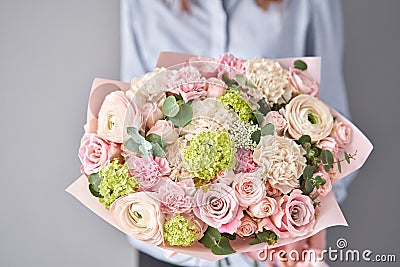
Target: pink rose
(217, 205)
(148, 173)
(302, 82)
(226, 177)
(215, 88)
(323, 190)
(188, 82)
(95, 152)
(264, 208)
(277, 120)
(295, 217)
(329, 143)
(232, 226)
(342, 133)
(245, 162)
(333, 172)
(272, 191)
(151, 114)
(249, 189)
(115, 115)
(166, 130)
(176, 198)
(247, 227)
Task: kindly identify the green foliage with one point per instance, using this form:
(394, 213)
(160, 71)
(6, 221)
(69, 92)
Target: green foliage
(267, 236)
(219, 244)
(300, 64)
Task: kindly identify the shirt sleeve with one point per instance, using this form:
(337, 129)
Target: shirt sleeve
(131, 61)
(325, 39)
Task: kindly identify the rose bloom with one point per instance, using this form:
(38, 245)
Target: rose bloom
(333, 172)
(188, 82)
(226, 177)
(302, 82)
(272, 191)
(280, 124)
(264, 208)
(215, 88)
(247, 227)
(115, 115)
(295, 217)
(249, 189)
(329, 143)
(342, 133)
(148, 172)
(95, 152)
(281, 161)
(217, 205)
(177, 197)
(151, 114)
(306, 115)
(166, 130)
(139, 216)
(323, 190)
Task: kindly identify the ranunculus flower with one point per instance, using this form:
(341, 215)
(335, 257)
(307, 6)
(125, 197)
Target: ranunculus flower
(215, 88)
(342, 133)
(188, 82)
(95, 152)
(139, 216)
(249, 188)
(264, 208)
(116, 114)
(323, 190)
(329, 143)
(296, 216)
(281, 161)
(302, 82)
(148, 172)
(151, 114)
(217, 205)
(274, 117)
(307, 115)
(166, 130)
(247, 227)
(176, 197)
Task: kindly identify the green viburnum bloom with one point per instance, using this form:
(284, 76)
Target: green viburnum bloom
(180, 232)
(233, 99)
(116, 182)
(208, 153)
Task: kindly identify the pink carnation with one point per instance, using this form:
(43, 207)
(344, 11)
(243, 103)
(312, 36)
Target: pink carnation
(230, 65)
(245, 162)
(176, 197)
(188, 82)
(148, 172)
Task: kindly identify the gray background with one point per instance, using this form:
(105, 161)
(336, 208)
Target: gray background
(51, 50)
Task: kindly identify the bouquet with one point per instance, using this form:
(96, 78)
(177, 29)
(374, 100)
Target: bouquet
(211, 157)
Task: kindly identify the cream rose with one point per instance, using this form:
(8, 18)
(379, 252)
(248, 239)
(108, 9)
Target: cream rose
(281, 161)
(274, 117)
(116, 113)
(248, 188)
(306, 115)
(264, 208)
(139, 216)
(166, 130)
(270, 79)
(342, 133)
(247, 227)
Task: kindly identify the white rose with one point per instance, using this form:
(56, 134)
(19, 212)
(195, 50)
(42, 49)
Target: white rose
(139, 216)
(306, 115)
(281, 161)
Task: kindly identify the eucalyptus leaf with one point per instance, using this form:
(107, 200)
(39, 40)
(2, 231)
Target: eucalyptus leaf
(240, 79)
(327, 158)
(170, 108)
(95, 192)
(256, 136)
(263, 236)
(308, 171)
(255, 241)
(339, 166)
(347, 157)
(223, 247)
(305, 139)
(250, 84)
(309, 187)
(183, 117)
(229, 236)
(158, 151)
(268, 129)
(259, 116)
(132, 145)
(300, 64)
(155, 138)
(94, 183)
(211, 237)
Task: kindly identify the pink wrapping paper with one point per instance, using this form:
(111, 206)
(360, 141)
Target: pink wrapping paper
(329, 212)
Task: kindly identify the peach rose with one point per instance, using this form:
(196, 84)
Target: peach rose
(139, 216)
(327, 187)
(277, 120)
(215, 88)
(302, 82)
(264, 208)
(151, 114)
(342, 133)
(166, 130)
(329, 143)
(247, 227)
(115, 115)
(249, 189)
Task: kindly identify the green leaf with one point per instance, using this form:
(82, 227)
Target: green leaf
(157, 150)
(309, 187)
(347, 157)
(211, 237)
(132, 145)
(94, 183)
(183, 117)
(327, 159)
(320, 180)
(132, 131)
(268, 129)
(263, 236)
(155, 138)
(94, 191)
(229, 236)
(170, 108)
(259, 116)
(240, 79)
(339, 166)
(314, 197)
(308, 171)
(305, 139)
(250, 84)
(300, 64)
(256, 136)
(223, 247)
(255, 241)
